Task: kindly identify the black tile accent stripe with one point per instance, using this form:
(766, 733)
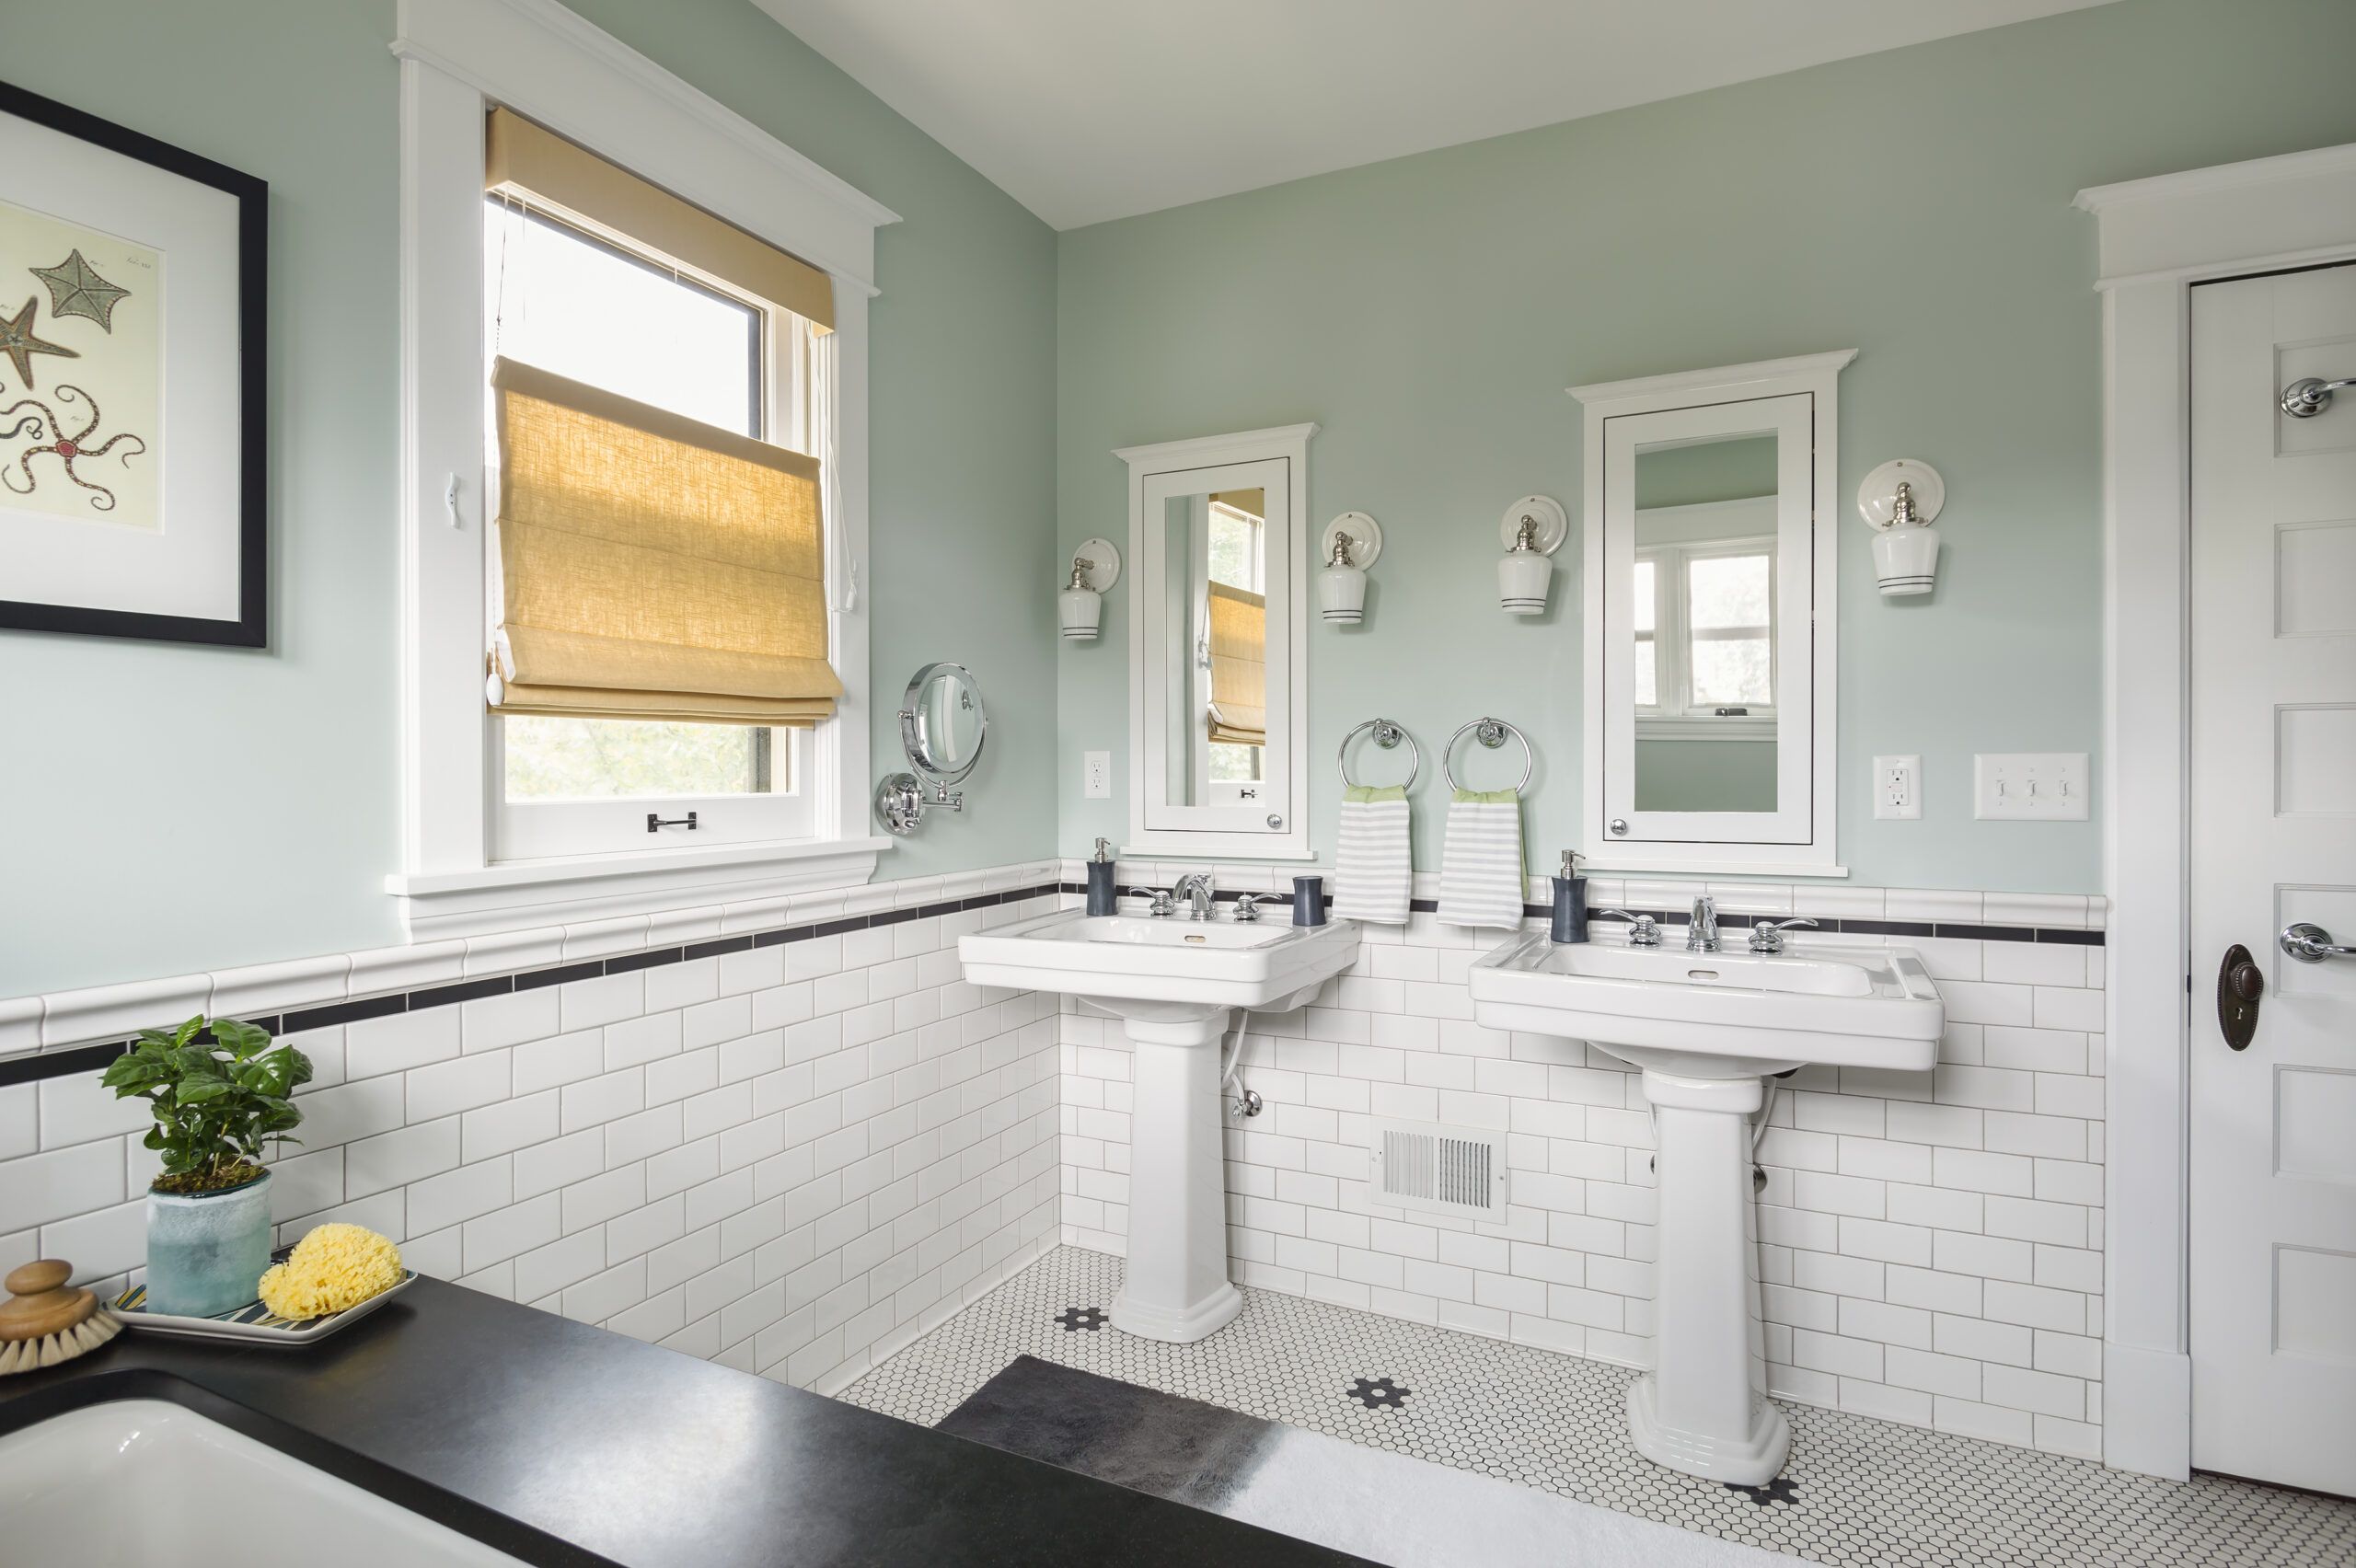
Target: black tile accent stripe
(87, 1058)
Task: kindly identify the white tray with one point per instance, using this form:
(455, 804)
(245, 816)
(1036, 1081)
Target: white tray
(251, 1324)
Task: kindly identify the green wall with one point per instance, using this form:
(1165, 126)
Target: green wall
(1430, 311)
(178, 809)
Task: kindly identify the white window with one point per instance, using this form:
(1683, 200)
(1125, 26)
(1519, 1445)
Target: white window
(552, 295)
(1704, 622)
(1234, 544)
(517, 823)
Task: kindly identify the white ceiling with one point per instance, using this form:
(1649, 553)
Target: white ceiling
(1090, 110)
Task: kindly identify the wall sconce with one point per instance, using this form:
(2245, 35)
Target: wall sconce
(1095, 567)
(1533, 529)
(1899, 501)
(1350, 544)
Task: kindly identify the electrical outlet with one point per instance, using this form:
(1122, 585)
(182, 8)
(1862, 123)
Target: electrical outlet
(2030, 785)
(1897, 788)
(1096, 775)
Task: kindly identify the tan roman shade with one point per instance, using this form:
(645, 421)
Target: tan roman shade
(651, 566)
(1238, 666)
(546, 171)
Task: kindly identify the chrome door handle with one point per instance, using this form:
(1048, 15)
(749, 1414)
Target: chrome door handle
(2311, 943)
(2310, 396)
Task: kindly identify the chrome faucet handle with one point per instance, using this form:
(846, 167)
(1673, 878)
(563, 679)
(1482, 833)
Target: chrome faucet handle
(1247, 907)
(1768, 935)
(1159, 906)
(1643, 929)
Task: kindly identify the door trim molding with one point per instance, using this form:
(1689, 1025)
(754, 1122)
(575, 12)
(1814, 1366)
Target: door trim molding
(2157, 237)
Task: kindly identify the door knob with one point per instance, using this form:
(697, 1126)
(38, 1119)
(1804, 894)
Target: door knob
(2240, 983)
(2311, 943)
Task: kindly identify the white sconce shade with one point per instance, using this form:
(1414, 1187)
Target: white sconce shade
(1350, 544)
(1898, 501)
(1533, 529)
(1080, 609)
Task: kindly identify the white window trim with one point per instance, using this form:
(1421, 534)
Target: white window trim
(457, 59)
(2157, 237)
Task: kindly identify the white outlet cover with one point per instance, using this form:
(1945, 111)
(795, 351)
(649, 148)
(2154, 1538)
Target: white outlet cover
(1096, 775)
(1904, 802)
(2030, 786)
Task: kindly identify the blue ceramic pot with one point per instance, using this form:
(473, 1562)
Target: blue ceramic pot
(206, 1253)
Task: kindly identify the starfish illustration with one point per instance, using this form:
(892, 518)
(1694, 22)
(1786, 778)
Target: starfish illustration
(16, 340)
(1379, 1393)
(65, 448)
(75, 289)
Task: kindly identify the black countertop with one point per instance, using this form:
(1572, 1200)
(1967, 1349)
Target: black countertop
(564, 1444)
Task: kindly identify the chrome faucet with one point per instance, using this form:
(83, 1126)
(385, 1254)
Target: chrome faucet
(1195, 887)
(1702, 934)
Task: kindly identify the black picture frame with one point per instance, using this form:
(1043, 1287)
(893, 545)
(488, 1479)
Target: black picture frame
(250, 629)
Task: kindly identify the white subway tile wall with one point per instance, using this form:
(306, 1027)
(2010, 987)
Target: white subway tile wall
(791, 1159)
(1931, 1243)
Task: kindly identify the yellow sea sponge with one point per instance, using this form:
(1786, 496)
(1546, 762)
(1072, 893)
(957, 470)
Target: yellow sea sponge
(334, 1267)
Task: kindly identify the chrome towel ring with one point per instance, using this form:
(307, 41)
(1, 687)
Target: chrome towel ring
(1387, 734)
(1492, 733)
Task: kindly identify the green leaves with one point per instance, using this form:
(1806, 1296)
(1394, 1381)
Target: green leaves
(219, 1096)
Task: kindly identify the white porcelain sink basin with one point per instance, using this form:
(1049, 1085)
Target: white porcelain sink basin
(143, 1481)
(1718, 1014)
(1175, 983)
(1707, 1029)
(1168, 969)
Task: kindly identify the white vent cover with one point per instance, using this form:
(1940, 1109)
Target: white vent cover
(1439, 1169)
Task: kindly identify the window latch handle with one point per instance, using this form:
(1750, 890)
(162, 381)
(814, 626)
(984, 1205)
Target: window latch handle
(655, 820)
(450, 499)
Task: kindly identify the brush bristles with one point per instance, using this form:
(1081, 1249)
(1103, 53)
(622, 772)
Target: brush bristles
(49, 1350)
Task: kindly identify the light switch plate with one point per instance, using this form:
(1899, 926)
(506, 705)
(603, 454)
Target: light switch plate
(2030, 785)
(1096, 775)
(1897, 788)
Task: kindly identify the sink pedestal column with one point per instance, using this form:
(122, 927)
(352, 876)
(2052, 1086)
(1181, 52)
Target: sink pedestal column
(1704, 1407)
(1176, 1286)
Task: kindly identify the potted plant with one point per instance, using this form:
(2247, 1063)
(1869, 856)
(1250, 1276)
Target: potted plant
(220, 1095)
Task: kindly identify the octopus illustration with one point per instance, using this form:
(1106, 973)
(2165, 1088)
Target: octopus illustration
(68, 448)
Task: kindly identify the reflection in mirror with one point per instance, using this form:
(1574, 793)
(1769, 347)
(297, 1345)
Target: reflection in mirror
(1215, 566)
(1704, 622)
(943, 722)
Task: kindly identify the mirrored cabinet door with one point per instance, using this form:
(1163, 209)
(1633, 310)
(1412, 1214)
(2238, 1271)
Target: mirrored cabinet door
(1215, 607)
(1708, 667)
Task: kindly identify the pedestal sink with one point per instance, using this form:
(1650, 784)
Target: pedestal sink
(1708, 1029)
(1173, 982)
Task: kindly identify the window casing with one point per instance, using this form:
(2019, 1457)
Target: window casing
(458, 60)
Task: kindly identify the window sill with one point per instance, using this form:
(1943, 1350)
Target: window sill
(1705, 727)
(516, 894)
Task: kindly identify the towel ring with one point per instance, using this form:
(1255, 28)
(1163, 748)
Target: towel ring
(1387, 734)
(1492, 733)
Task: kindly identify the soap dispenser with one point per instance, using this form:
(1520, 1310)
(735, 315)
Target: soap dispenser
(1104, 896)
(1570, 901)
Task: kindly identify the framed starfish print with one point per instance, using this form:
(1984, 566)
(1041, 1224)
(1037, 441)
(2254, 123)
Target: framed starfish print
(132, 443)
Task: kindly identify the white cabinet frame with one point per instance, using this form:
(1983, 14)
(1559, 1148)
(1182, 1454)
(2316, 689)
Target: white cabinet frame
(1801, 841)
(457, 59)
(1212, 831)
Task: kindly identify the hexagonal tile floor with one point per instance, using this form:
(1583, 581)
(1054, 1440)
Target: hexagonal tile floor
(1857, 1491)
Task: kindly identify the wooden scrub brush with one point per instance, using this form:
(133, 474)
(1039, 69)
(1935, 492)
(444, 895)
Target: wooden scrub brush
(44, 1324)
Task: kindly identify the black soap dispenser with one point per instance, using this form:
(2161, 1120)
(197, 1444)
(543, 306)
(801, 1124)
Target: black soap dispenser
(1570, 901)
(1104, 896)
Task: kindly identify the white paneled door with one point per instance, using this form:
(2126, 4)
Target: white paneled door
(2273, 843)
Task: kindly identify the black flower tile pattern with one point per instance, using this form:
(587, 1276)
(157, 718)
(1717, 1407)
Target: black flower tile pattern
(1076, 1318)
(1379, 1393)
(1857, 1491)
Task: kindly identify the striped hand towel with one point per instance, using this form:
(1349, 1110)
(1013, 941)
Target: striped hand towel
(1373, 872)
(1480, 866)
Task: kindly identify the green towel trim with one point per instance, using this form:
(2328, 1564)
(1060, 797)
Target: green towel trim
(1362, 793)
(1489, 797)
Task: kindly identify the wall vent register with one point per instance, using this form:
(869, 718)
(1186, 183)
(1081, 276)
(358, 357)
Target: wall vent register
(1436, 1168)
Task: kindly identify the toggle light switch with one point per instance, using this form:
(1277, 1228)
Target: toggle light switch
(2030, 785)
